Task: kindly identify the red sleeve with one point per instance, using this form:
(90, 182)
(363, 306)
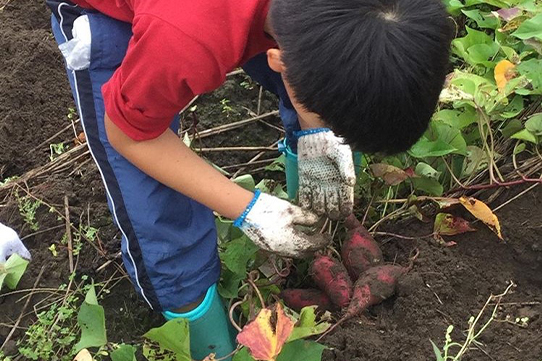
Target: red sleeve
(162, 71)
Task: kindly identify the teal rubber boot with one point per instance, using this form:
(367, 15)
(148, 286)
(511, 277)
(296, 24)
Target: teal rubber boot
(210, 329)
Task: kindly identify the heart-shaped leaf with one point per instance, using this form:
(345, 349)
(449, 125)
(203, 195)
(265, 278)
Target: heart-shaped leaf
(266, 335)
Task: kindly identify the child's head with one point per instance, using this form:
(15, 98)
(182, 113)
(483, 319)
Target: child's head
(371, 69)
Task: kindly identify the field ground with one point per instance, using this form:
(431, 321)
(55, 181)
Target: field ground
(446, 286)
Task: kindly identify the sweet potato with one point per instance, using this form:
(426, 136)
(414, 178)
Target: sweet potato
(351, 222)
(331, 276)
(296, 299)
(374, 286)
(359, 251)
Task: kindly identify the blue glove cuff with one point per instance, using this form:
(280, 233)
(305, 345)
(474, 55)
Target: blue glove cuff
(239, 221)
(301, 133)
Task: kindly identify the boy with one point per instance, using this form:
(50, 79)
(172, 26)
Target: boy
(370, 70)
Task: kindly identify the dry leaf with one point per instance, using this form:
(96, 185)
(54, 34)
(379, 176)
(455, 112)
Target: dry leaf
(481, 211)
(391, 174)
(83, 355)
(266, 335)
(81, 138)
(211, 357)
(504, 71)
(444, 203)
(449, 225)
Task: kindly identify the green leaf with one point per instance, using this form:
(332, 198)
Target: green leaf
(476, 48)
(534, 124)
(484, 20)
(2, 277)
(223, 229)
(229, 284)
(519, 148)
(12, 271)
(424, 169)
(246, 181)
(458, 119)
(173, 336)
(514, 108)
(531, 70)
(453, 6)
(301, 350)
(497, 3)
(243, 355)
(512, 128)
(475, 161)
(278, 191)
(277, 165)
(437, 352)
(428, 185)
(427, 148)
(307, 326)
(526, 136)
(531, 28)
(237, 253)
(91, 319)
(449, 135)
(123, 353)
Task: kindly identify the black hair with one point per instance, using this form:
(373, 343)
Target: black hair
(371, 69)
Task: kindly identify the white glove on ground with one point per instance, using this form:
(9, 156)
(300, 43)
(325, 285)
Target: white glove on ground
(270, 223)
(10, 244)
(326, 173)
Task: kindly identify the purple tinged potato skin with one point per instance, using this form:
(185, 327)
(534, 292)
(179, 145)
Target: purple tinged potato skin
(331, 276)
(374, 286)
(360, 252)
(296, 299)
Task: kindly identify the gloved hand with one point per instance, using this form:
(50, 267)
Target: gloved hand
(10, 244)
(326, 173)
(270, 223)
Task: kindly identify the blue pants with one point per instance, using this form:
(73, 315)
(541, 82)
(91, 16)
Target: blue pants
(169, 241)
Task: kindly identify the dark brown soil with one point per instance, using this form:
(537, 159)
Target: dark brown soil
(449, 285)
(446, 285)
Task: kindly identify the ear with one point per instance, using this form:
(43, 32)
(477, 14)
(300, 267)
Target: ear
(274, 60)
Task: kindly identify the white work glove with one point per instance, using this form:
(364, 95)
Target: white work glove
(326, 173)
(273, 225)
(10, 244)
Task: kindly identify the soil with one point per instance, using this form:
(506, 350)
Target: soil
(446, 286)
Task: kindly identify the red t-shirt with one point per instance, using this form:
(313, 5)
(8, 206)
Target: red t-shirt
(179, 49)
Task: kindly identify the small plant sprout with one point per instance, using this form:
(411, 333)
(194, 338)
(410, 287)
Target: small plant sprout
(472, 333)
(27, 208)
(56, 149)
(226, 107)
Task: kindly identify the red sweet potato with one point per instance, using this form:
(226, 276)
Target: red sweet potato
(331, 277)
(359, 251)
(374, 286)
(351, 222)
(296, 299)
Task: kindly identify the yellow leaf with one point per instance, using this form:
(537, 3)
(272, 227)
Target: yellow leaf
(83, 355)
(504, 71)
(481, 211)
(266, 335)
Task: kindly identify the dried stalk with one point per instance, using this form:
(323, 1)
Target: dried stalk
(234, 125)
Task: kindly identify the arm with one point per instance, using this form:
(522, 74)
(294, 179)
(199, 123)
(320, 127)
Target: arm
(172, 163)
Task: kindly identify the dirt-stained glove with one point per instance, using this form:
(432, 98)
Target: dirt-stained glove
(274, 224)
(326, 173)
(10, 244)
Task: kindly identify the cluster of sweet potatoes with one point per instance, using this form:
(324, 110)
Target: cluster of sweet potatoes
(361, 280)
